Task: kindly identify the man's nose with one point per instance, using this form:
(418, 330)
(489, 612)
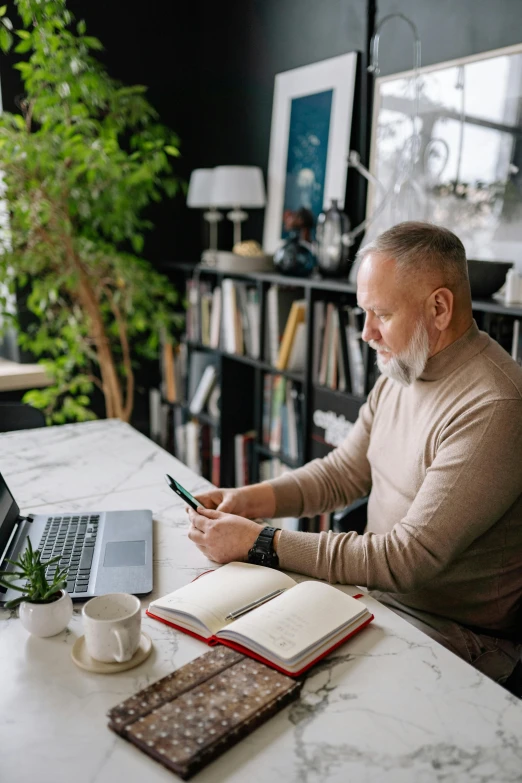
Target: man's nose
(370, 330)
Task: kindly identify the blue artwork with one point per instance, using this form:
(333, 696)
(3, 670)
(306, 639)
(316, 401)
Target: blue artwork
(307, 153)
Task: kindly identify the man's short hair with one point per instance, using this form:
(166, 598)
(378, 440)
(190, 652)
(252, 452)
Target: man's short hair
(423, 248)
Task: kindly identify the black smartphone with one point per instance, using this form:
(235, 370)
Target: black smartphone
(182, 492)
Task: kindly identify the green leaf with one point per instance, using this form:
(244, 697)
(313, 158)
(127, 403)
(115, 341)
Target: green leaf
(3, 9)
(6, 40)
(173, 151)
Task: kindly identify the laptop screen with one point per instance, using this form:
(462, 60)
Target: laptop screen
(9, 513)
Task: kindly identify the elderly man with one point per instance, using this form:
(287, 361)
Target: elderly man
(438, 448)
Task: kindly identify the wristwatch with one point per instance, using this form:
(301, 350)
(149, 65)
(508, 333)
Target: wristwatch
(263, 553)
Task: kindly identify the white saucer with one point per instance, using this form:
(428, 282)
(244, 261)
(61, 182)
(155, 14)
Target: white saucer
(82, 658)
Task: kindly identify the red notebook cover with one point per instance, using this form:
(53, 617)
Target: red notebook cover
(213, 640)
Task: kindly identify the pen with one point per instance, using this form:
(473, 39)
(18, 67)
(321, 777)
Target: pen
(248, 607)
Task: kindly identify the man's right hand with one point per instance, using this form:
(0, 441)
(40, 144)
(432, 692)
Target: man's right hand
(257, 500)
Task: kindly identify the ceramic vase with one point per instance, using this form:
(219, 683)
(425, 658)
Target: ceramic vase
(47, 619)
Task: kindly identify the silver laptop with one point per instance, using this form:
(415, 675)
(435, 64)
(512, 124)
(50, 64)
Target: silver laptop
(104, 551)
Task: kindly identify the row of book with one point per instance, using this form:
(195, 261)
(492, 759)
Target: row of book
(339, 353)
(190, 380)
(228, 317)
(282, 416)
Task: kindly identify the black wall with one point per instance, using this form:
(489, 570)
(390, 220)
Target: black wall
(210, 70)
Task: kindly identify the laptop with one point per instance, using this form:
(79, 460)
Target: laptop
(104, 551)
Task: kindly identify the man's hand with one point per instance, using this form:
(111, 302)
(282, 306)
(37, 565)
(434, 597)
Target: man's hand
(222, 537)
(256, 500)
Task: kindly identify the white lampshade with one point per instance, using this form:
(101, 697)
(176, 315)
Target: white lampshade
(200, 188)
(236, 186)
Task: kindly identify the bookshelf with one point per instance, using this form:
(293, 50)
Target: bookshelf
(322, 414)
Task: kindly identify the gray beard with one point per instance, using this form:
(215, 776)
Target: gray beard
(408, 365)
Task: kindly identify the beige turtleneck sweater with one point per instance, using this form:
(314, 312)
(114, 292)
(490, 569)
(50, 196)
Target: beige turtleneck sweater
(442, 462)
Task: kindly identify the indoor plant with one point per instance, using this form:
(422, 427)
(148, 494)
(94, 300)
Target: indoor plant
(45, 608)
(80, 163)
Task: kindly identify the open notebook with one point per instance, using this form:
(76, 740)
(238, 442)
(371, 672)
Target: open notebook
(265, 614)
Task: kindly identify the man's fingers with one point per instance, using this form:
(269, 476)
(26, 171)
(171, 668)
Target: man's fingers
(209, 513)
(196, 535)
(208, 500)
(227, 506)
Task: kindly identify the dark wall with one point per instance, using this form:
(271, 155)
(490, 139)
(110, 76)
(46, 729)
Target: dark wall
(210, 70)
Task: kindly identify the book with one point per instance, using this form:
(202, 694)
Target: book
(264, 614)
(297, 358)
(168, 376)
(297, 316)
(243, 454)
(326, 339)
(357, 370)
(215, 318)
(216, 461)
(228, 306)
(199, 362)
(318, 328)
(277, 403)
(203, 390)
(222, 697)
(279, 303)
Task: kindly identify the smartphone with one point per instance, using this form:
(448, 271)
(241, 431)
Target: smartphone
(182, 492)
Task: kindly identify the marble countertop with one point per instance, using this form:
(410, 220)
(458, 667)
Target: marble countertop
(390, 705)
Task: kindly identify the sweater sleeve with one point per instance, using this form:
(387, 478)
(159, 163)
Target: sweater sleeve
(334, 481)
(475, 478)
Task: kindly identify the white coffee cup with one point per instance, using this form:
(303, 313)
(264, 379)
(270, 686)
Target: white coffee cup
(112, 625)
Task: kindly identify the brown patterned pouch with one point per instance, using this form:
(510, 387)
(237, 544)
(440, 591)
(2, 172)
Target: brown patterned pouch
(192, 716)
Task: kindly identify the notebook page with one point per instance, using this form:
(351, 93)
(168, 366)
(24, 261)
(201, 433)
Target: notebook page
(297, 620)
(227, 589)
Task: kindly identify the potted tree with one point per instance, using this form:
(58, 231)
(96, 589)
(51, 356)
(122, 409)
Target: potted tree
(80, 163)
(45, 607)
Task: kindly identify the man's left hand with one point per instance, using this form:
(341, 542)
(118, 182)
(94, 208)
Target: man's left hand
(222, 537)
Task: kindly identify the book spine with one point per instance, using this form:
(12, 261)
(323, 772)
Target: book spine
(216, 461)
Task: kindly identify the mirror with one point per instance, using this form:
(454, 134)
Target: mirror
(447, 147)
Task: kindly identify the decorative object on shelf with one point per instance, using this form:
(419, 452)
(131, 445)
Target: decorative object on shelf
(486, 277)
(463, 176)
(311, 122)
(513, 287)
(237, 187)
(45, 608)
(296, 256)
(332, 249)
(200, 197)
(248, 248)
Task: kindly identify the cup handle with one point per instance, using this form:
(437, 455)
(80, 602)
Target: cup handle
(122, 637)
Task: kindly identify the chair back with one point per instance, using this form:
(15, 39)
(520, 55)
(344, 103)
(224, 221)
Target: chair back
(17, 416)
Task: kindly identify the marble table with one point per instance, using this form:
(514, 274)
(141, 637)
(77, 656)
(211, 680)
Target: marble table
(390, 705)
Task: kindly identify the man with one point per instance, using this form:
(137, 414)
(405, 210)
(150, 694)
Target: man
(438, 448)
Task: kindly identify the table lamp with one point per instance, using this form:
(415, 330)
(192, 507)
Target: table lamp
(237, 187)
(200, 197)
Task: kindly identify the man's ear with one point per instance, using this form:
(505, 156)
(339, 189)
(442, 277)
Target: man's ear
(440, 308)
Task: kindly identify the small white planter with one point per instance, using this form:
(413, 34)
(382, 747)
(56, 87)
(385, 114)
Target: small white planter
(46, 619)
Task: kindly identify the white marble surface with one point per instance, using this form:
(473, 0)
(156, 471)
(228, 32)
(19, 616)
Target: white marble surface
(390, 705)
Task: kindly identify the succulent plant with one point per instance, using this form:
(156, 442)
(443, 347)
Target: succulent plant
(35, 589)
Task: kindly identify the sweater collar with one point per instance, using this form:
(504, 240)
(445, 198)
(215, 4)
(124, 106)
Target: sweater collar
(446, 361)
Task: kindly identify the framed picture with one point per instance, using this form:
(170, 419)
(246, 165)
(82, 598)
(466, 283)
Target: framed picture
(448, 149)
(309, 141)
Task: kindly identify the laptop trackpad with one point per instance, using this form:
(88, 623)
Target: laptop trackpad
(124, 553)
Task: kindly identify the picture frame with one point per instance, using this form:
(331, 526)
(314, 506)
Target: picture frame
(309, 141)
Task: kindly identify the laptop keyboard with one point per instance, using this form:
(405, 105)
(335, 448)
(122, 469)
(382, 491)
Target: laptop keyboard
(72, 537)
